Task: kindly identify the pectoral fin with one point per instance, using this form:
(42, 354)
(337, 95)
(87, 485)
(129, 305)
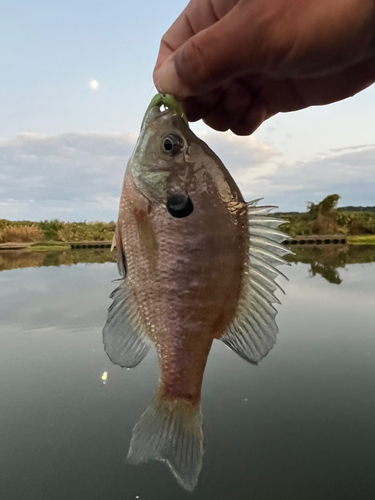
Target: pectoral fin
(118, 248)
(252, 333)
(123, 337)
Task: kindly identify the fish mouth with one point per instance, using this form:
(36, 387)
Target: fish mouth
(179, 205)
(169, 102)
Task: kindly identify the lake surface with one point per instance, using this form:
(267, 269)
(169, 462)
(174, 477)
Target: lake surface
(299, 426)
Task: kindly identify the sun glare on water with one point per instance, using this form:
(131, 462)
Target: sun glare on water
(94, 84)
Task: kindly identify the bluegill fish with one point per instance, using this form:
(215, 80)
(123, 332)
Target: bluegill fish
(199, 263)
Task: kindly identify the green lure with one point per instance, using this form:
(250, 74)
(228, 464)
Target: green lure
(169, 102)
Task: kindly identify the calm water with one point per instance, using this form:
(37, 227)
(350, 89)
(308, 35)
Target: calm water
(299, 426)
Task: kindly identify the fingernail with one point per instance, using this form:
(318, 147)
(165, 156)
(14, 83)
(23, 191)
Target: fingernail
(167, 81)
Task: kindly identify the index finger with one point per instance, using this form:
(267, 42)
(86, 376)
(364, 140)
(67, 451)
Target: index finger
(197, 16)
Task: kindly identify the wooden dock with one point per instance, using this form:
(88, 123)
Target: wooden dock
(329, 239)
(319, 239)
(326, 239)
(14, 246)
(90, 244)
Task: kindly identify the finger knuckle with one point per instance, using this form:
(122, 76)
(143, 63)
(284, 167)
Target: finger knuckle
(192, 63)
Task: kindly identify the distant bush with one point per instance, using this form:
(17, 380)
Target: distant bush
(86, 231)
(326, 218)
(20, 234)
(55, 230)
(51, 228)
(356, 209)
(18, 223)
(320, 218)
(360, 222)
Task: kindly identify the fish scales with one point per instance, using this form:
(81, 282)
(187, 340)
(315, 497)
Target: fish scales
(187, 282)
(183, 234)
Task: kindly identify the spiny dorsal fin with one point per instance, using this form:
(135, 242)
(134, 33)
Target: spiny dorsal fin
(123, 337)
(252, 333)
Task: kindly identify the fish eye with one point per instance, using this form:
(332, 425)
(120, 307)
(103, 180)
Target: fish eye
(171, 145)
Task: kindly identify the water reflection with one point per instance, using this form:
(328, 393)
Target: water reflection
(18, 259)
(298, 426)
(327, 260)
(324, 261)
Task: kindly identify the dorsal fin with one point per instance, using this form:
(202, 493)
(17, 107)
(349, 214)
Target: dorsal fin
(252, 333)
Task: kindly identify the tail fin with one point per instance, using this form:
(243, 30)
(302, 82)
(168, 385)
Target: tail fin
(170, 431)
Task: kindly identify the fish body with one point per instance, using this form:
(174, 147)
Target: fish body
(183, 241)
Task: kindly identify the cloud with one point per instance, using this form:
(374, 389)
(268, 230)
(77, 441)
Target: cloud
(261, 170)
(352, 148)
(246, 158)
(69, 176)
(351, 174)
(79, 176)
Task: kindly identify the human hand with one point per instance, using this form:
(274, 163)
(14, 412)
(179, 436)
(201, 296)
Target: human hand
(236, 63)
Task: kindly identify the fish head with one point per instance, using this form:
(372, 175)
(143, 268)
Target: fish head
(162, 166)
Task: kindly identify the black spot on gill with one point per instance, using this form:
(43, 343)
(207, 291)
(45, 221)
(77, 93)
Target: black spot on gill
(179, 205)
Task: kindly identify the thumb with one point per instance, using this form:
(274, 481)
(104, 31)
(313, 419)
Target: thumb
(209, 58)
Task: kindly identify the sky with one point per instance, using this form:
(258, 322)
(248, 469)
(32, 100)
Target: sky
(64, 145)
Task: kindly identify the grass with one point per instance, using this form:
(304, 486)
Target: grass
(48, 248)
(54, 231)
(20, 234)
(321, 218)
(368, 239)
(83, 231)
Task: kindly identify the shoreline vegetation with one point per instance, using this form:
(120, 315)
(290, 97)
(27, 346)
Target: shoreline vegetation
(357, 224)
